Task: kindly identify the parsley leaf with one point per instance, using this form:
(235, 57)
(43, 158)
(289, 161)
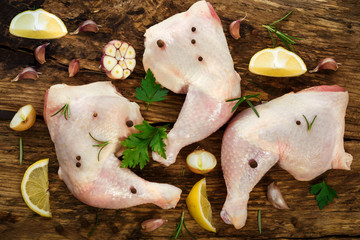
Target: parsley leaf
(149, 91)
(137, 145)
(324, 193)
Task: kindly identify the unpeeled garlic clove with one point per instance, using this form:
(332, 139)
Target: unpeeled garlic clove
(326, 63)
(275, 197)
(74, 67)
(152, 224)
(40, 53)
(27, 73)
(234, 28)
(86, 26)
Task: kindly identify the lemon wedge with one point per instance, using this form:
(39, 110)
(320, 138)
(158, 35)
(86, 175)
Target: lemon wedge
(199, 206)
(35, 188)
(37, 24)
(277, 62)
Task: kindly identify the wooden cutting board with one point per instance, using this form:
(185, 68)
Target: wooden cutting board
(328, 29)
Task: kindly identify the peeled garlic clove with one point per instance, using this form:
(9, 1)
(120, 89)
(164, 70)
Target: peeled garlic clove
(275, 197)
(40, 53)
(87, 26)
(326, 63)
(152, 224)
(118, 59)
(27, 73)
(74, 67)
(201, 161)
(234, 28)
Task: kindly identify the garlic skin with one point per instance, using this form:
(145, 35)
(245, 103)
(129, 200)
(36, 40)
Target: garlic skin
(152, 224)
(39, 53)
(326, 63)
(27, 73)
(118, 59)
(86, 26)
(275, 197)
(74, 67)
(234, 28)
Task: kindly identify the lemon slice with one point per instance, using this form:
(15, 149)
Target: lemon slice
(277, 62)
(35, 188)
(37, 24)
(199, 206)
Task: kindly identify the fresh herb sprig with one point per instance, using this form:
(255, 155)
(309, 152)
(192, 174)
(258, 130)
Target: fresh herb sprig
(245, 98)
(178, 229)
(309, 125)
(149, 91)
(95, 226)
(137, 145)
(324, 193)
(101, 144)
(259, 221)
(285, 38)
(20, 150)
(65, 111)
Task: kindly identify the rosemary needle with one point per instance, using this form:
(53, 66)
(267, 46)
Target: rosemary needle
(245, 98)
(285, 38)
(21, 150)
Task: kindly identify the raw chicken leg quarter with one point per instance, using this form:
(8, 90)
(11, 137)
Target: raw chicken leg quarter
(188, 54)
(94, 177)
(252, 145)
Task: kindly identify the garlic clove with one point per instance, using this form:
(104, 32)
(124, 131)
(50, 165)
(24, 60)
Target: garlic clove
(39, 53)
(201, 161)
(109, 63)
(130, 63)
(326, 63)
(74, 67)
(123, 48)
(275, 197)
(86, 26)
(130, 53)
(110, 50)
(152, 224)
(117, 72)
(27, 73)
(234, 28)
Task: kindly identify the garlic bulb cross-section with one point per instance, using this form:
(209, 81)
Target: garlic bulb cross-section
(118, 59)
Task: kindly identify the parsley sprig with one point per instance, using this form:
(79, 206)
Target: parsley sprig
(178, 230)
(245, 98)
(309, 125)
(137, 145)
(149, 91)
(286, 39)
(101, 144)
(65, 111)
(324, 193)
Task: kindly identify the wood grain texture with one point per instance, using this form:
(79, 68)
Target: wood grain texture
(328, 29)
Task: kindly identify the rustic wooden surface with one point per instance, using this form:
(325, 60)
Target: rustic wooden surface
(328, 29)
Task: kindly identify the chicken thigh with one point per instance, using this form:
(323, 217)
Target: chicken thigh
(94, 176)
(252, 145)
(188, 54)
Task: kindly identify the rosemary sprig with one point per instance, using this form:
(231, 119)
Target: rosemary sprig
(65, 111)
(101, 144)
(178, 230)
(245, 98)
(96, 224)
(259, 221)
(286, 39)
(20, 150)
(307, 122)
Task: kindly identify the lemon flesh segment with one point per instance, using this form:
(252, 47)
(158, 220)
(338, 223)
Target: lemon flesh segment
(199, 206)
(277, 62)
(37, 24)
(35, 188)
